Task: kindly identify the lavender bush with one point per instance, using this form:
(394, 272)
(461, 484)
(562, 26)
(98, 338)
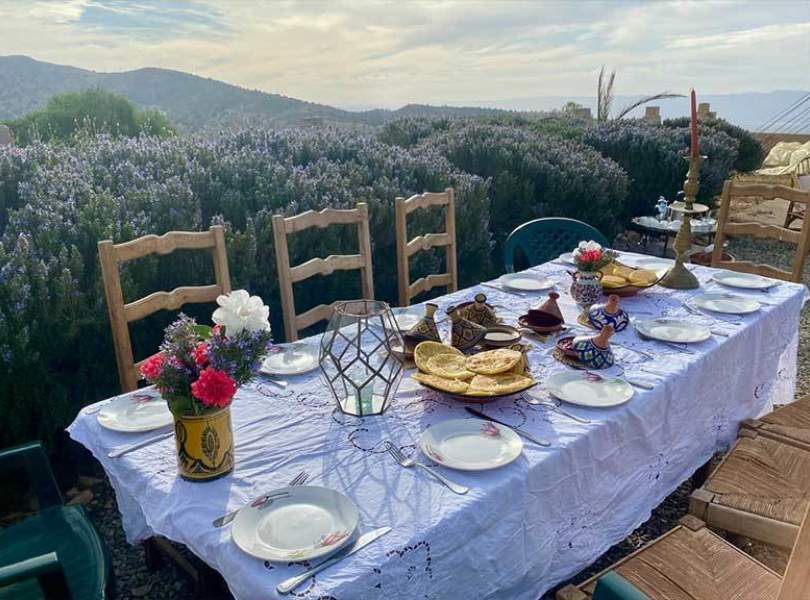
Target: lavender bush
(58, 201)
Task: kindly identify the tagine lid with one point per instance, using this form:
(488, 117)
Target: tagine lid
(547, 313)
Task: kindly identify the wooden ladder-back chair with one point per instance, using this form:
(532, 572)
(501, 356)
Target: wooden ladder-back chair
(690, 562)
(287, 276)
(734, 189)
(760, 490)
(121, 314)
(406, 249)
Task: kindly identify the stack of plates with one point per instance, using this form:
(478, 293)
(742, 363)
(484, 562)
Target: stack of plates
(527, 282)
(586, 389)
(726, 303)
(292, 359)
(679, 331)
(744, 280)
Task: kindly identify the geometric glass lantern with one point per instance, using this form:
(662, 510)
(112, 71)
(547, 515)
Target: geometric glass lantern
(356, 356)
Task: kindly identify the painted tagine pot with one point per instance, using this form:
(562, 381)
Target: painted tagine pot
(609, 313)
(594, 352)
(204, 445)
(465, 334)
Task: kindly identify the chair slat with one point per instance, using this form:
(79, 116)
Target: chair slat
(763, 231)
(426, 242)
(313, 315)
(134, 311)
(164, 244)
(327, 266)
(320, 219)
(424, 284)
(426, 200)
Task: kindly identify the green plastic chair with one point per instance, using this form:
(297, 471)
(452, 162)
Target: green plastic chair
(542, 240)
(612, 586)
(57, 553)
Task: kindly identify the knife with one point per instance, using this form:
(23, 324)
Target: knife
(288, 585)
(517, 430)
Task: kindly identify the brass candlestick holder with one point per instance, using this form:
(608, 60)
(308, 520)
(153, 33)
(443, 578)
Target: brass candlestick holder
(679, 277)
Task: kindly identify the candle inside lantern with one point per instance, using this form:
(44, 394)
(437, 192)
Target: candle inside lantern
(694, 144)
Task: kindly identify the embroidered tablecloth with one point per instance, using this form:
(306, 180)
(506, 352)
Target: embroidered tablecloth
(521, 529)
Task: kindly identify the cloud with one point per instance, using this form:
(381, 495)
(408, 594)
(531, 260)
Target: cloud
(391, 53)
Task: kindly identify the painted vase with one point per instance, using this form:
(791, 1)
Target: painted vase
(204, 445)
(465, 334)
(608, 313)
(586, 288)
(594, 352)
(425, 329)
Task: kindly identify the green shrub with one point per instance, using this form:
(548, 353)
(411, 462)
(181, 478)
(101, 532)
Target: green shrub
(654, 159)
(90, 111)
(751, 152)
(56, 352)
(534, 175)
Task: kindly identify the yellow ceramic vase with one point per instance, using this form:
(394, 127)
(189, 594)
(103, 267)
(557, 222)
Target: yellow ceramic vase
(204, 445)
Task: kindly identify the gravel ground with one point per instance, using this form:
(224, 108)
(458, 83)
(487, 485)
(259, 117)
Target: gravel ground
(135, 581)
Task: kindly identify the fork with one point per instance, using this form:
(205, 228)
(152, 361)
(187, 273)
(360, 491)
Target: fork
(299, 479)
(406, 462)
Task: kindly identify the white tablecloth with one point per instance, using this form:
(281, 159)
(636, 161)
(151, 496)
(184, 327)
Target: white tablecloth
(522, 528)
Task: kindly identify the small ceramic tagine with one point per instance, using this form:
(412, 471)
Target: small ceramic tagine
(478, 311)
(608, 313)
(465, 333)
(546, 318)
(425, 330)
(594, 352)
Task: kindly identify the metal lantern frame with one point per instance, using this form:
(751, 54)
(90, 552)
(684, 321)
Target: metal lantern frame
(357, 358)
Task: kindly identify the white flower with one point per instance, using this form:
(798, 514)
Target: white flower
(590, 245)
(239, 310)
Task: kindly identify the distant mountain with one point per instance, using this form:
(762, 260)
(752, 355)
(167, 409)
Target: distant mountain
(190, 102)
(194, 103)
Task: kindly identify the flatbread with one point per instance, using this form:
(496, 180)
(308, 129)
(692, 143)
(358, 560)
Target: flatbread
(493, 361)
(452, 386)
(613, 281)
(425, 350)
(643, 277)
(451, 366)
(496, 385)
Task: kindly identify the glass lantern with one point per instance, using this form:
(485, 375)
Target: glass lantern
(356, 356)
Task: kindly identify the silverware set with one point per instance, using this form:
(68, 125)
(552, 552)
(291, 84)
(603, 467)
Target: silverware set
(264, 500)
(535, 401)
(408, 463)
(521, 432)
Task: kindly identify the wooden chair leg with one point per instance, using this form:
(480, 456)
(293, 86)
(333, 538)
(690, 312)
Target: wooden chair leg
(153, 558)
(699, 477)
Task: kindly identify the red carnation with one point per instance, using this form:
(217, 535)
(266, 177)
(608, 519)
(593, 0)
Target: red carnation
(214, 388)
(201, 354)
(591, 256)
(153, 367)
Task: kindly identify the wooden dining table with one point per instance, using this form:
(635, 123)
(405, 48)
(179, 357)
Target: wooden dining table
(522, 528)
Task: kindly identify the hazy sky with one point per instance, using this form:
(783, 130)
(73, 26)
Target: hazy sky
(391, 53)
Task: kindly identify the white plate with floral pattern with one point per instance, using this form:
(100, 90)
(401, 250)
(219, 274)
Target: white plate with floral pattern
(732, 304)
(679, 331)
(293, 359)
(527, 282)
(470, 444)
(747, 281)
(588, 389)
(136, 412)
(308, 523)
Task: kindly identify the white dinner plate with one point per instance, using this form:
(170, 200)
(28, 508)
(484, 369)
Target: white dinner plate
(567, 258)
(743, 280)
(309, 523)
(140, 411)
(293, 359)
(726, 303)
(655, 264)
(527, 282)
(580, 387)
(680, 331)
(470, 444)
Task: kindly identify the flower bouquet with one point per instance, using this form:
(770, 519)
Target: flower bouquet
(198, 371)
(590, 256)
